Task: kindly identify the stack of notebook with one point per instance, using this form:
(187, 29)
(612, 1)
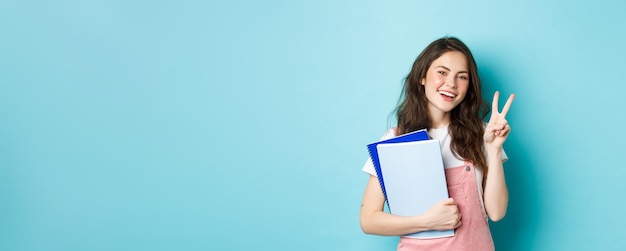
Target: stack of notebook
(411, 174)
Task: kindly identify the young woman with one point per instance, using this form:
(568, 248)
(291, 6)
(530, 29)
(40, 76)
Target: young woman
(443, 93)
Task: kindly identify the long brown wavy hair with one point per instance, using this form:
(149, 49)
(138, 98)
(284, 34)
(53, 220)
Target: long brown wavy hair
(466, 120)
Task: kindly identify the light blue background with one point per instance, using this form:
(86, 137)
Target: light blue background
(242, 125)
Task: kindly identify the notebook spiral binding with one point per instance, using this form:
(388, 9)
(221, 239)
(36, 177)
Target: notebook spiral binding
(379, 173)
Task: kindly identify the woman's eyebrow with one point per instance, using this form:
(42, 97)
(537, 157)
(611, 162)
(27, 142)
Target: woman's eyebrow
(448, 69)
(441, 66)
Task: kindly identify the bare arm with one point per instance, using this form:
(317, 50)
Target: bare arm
(496, 193)
(442, 216)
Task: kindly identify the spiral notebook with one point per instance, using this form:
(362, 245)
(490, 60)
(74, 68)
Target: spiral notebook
(373, 152)
(414, 179)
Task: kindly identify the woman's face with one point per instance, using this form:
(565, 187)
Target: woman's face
(446, 82)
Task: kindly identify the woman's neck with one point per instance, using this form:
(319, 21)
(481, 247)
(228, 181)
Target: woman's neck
(439, 119)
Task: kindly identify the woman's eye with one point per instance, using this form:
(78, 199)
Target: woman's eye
(464, 77)
(442, 72)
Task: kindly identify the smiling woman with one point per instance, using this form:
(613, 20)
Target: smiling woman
(239, 125)
(445, 84)
(443, 94)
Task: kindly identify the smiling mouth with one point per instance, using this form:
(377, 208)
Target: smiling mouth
(447, 94)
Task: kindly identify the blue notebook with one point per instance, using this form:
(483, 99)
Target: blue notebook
(373, 151)
(414, 180)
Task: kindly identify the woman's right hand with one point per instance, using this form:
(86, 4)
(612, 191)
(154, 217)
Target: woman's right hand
(444, 215)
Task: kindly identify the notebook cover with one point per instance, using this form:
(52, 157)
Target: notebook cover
(414, 179)
(373, 151)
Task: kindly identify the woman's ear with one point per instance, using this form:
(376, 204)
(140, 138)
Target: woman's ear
(422, 82)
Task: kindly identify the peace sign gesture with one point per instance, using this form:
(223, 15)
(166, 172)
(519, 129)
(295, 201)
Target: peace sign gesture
(498, 128)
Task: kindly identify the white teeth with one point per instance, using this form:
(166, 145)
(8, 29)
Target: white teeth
(449, 94)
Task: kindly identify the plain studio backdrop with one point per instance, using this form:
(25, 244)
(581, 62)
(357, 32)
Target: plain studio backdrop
(242, 125)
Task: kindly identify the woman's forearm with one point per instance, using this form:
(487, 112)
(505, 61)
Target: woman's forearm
(495, 194)
(382, 223)
(375, 221)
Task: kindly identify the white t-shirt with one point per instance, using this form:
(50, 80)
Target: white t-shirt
(449, 160)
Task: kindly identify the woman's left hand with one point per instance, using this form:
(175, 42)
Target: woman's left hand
(498, 128)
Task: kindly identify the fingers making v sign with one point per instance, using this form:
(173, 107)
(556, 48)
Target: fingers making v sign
(498, 128)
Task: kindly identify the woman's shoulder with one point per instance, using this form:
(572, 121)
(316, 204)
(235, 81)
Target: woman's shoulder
(390, 133)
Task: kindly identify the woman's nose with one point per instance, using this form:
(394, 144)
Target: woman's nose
(451, 82)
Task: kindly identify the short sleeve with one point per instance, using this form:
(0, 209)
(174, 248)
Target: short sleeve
(368, 167)
(504, 156)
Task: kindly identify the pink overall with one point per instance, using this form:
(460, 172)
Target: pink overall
(473, 234)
